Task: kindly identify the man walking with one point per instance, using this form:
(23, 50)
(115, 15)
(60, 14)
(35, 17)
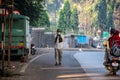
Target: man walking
(58, 47)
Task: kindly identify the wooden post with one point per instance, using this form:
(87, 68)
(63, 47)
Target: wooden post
(10, 35)
(3, 39)
(0, 1)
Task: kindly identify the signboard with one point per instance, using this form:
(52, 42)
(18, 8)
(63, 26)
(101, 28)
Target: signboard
(105, 34)
(82, 39)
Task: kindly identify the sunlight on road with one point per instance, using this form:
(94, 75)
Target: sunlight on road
(90, 59)
(85, 76)
(92, 63)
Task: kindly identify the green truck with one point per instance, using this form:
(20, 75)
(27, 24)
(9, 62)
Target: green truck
(20, 39)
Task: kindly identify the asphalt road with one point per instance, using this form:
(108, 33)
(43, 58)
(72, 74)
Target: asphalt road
(76, 65)
(43, 68)
(92, 63)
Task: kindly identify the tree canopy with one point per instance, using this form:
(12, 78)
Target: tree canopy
(92, 14)
(75, 20)
(34, 9)
(64, 17)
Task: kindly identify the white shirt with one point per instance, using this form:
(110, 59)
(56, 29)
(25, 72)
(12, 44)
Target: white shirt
(59, 45)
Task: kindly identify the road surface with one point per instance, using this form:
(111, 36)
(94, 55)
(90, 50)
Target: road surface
(76, 65)
(92, 63)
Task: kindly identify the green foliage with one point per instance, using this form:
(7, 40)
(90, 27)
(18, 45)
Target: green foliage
(67, 13)
(102, 14)
(44, 20)
(75, 20)
(64, 17)
(34, 10)
(61, 21)
(93, 14)
(110, 20)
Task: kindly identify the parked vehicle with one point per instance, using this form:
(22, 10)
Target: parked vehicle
(100, 45)
(20, 39)
(33, 50)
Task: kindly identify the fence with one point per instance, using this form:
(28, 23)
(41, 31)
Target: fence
(41, 38)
